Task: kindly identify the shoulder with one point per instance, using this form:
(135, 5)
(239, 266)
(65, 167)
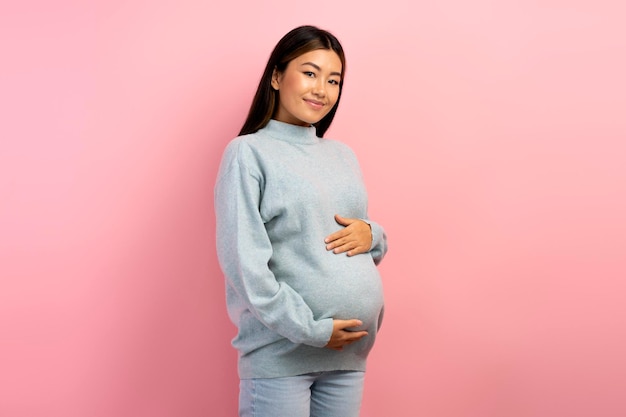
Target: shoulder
(241, 147)
(242, 141)
(239, 152)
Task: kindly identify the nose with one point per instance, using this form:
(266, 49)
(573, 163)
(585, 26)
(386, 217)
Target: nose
(319, 89)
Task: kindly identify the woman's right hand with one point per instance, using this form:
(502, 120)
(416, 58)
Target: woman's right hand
(342, 337)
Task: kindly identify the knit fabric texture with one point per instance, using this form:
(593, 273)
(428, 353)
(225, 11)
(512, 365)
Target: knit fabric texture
(276, 196)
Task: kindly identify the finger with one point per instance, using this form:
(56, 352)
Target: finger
(344, 324)
(337, 235)
(344, 221)
(345, 248)
(354, 337)
(356, 251)
(337, 243)
(338, 240)
(348, 241)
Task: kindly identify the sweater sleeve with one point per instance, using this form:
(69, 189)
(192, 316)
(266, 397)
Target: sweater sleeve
(378, 249)
(379, 241)
(244, 251)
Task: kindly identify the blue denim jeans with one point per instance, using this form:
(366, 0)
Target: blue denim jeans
(320, 394)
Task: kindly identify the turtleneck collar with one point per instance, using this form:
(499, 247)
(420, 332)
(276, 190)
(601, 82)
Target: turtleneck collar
(291, 133)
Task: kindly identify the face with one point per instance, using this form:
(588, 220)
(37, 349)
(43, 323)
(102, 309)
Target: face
(308, 88)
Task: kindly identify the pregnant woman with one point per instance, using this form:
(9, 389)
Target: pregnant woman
(295, 243)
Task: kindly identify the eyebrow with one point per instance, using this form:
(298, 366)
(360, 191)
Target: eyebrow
(317, 67)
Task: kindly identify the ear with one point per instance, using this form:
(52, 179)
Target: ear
(276, 76)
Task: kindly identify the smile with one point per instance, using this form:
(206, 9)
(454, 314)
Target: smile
(314, 103)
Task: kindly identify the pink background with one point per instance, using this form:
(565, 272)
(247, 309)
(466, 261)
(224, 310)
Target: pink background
(492, 137)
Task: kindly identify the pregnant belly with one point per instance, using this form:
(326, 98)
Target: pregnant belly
(345, 288)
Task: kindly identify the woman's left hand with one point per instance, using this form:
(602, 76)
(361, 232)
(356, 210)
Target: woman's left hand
(354, 238)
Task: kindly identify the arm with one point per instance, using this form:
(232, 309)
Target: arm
(359, 235)
(379, 246)
(244, 250)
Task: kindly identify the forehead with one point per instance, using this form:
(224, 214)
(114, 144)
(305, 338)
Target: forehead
(326, 59)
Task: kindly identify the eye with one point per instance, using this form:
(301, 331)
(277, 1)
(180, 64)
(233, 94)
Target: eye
(333, 82)
(310, 74)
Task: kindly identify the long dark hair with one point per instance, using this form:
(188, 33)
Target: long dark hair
(298, 41)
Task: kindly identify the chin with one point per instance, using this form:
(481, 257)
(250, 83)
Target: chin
(314, 120)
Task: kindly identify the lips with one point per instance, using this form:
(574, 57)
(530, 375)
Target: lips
(314, 103)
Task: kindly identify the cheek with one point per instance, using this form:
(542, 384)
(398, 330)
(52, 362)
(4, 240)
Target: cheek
(334, 96)
(292, 86)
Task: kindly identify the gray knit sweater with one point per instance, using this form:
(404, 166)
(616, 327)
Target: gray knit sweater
(276, 196)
